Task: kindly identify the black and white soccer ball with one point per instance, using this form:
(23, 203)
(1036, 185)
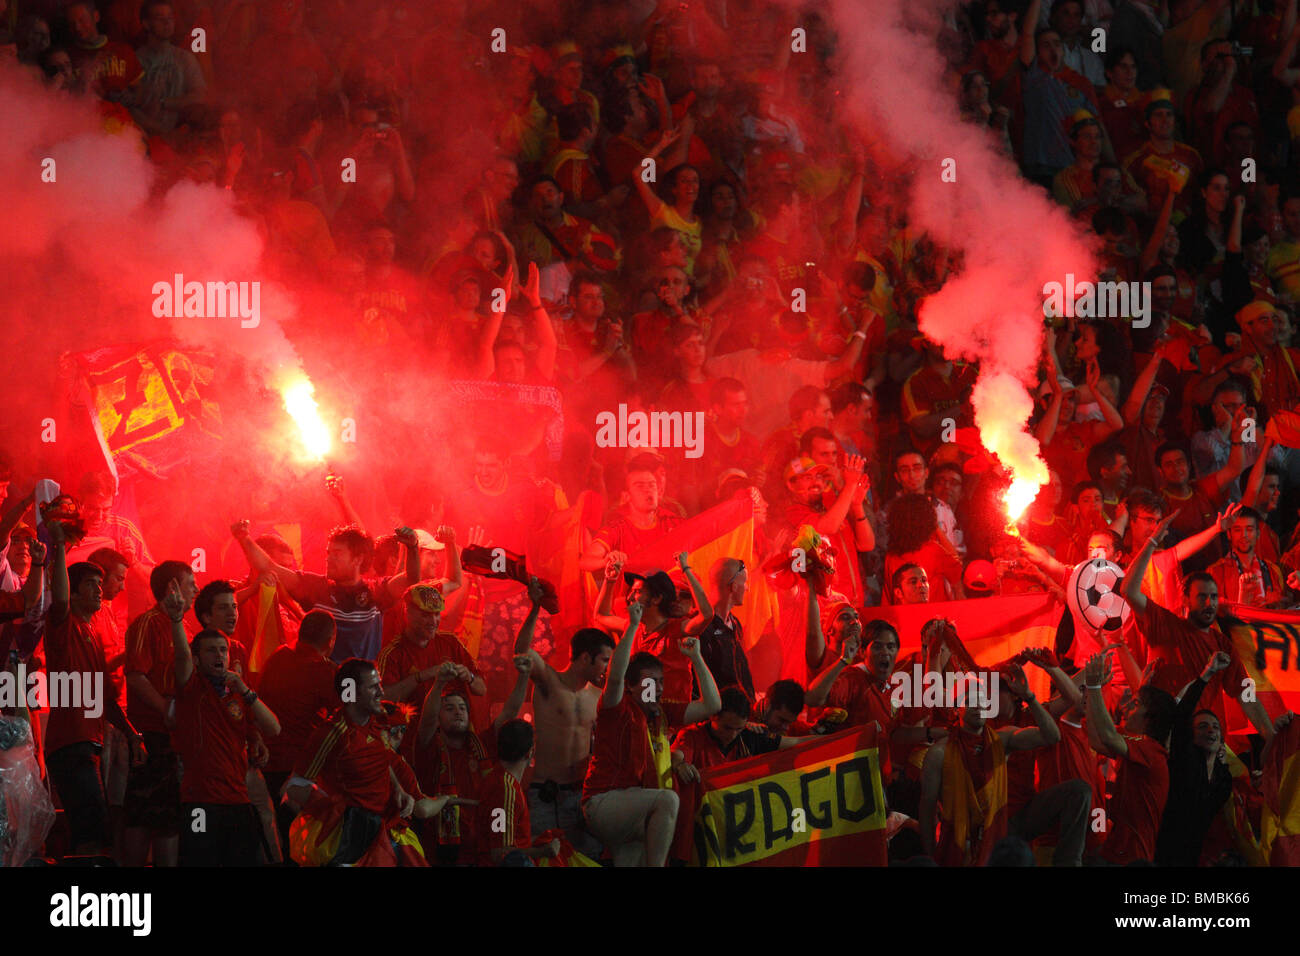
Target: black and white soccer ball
(1095, 594)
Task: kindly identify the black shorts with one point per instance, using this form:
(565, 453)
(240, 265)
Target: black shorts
(153, 790)
(74, 770)
(231, 835)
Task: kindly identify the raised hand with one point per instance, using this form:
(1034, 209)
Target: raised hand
(532, 288)
(634, 611)
(1219, 661)
(1016, 682)
(445, 534)
(173, 602)
(239, 530)
(690, 646)
(407, 536)
(1227, 514)
(1092, 671)
(1042, 656)
(535, 591)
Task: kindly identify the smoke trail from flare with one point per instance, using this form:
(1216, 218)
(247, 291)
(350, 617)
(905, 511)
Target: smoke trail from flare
(1012, 237)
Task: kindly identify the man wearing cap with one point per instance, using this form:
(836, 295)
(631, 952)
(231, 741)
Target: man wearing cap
(565, 87)
(809, 406)
(1162, 163)
(1279, 373)
(1076, 187)
(409, 665)
(570, 162)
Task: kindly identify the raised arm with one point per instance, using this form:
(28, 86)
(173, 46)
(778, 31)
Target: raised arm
(1028, 27)
(710, 701)
(1138, 569)
(1044, 733)
(1151, 251)
(834, 518)
(652, 202)
(1236, 463)
(547, 343)
(398, 583)
(1189, 546)
(518, 693)
(613, 692)
(260, 561)
(820, 689)
(703, 606)
(1142, 388)
(1102, 735)
(814, 648)
(1045, 658)
(337, 491)
(173, 605)
(602, 614)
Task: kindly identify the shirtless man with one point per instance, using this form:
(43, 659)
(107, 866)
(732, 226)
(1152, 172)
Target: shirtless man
(564, 714)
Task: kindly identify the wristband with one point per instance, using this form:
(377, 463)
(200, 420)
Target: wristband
(859, 334)
(1092, 686)
(250, 698)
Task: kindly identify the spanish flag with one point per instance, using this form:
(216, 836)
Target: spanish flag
(1280, 817)
(726, 530)
(973, 797)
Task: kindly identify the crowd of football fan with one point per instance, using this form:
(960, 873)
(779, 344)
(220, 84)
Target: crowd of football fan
(376, 730)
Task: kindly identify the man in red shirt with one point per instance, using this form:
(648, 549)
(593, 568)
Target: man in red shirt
(964, 779)
(1142, 782)
(641, 521)
(215, 716)
(502, 828)
(1180, 645)
(451, 758)
(1266, 585)
(152, 802)
(298, 685)
(409, 664)
(628, 798)
(349, 759)
(73, 738)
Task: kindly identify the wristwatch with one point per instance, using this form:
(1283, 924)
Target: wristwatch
(250, 698)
